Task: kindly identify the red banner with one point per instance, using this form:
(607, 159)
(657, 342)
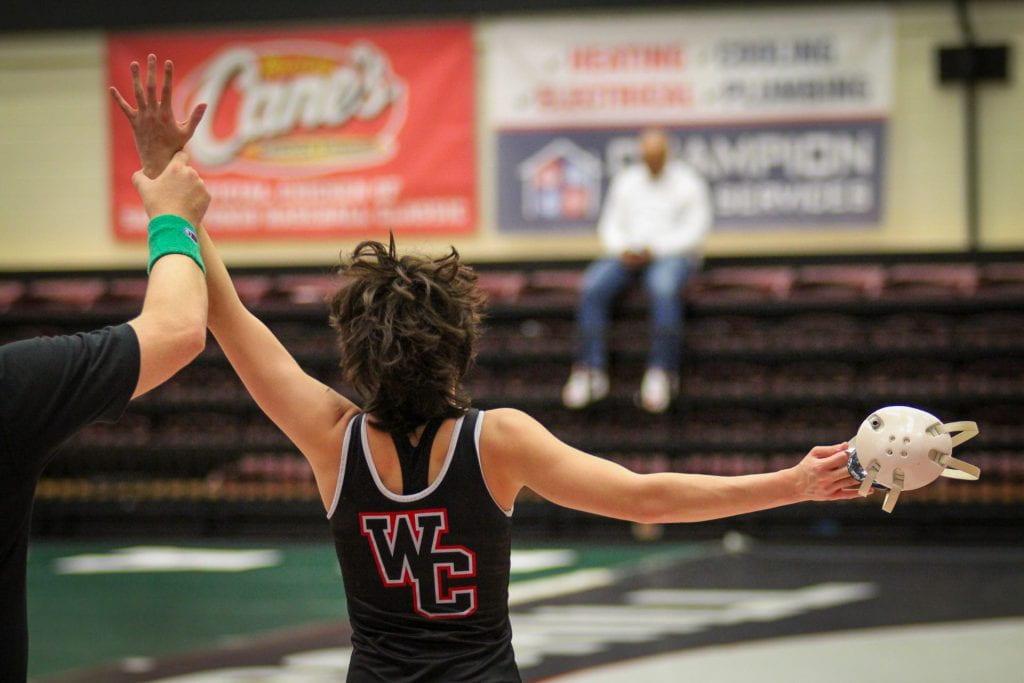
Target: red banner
(315, 133)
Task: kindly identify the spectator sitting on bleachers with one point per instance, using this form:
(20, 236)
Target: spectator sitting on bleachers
(654, 223)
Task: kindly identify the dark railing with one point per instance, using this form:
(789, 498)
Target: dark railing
(776, 359)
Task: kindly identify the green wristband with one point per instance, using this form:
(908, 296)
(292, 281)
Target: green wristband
(169, 234)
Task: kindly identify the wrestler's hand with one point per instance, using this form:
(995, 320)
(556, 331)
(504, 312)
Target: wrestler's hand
(157, 135)
(822, 475)
(178, 190)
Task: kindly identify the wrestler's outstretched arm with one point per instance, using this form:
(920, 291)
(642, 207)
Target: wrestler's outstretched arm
(518, 452)
(310, 413)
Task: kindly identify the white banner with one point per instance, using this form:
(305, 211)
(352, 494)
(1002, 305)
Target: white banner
(689, 67)
(783, 112)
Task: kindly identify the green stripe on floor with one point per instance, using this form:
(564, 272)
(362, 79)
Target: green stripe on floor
(85, 619)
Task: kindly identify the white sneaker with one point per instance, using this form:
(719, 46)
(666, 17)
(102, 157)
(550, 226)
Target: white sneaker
(585, 386)
(657, 390)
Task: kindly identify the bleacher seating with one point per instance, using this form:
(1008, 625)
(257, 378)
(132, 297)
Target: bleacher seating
(778, 358)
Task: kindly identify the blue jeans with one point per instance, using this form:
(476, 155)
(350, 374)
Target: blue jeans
(604, 280)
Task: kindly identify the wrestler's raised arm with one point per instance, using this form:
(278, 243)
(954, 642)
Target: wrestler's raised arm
(310, 413)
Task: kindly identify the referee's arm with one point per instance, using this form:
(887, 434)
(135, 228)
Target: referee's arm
(172, 326)
(52, 386)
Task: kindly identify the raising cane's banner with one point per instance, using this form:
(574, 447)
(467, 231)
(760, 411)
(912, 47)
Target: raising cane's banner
(783, 112)
(315, 133)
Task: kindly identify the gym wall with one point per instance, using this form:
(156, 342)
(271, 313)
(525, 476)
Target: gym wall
(54, 165)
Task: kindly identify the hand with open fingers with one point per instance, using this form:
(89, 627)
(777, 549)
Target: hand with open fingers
(178, 190)
(157, 135)
(822, 474)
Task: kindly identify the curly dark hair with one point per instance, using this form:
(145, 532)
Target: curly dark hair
(407, 331)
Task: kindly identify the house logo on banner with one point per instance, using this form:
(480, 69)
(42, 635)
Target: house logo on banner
(317, 133)
(561, 182)
(783, 112)
(309, 106)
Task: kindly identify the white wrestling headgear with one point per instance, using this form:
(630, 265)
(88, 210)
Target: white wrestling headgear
(900, 449)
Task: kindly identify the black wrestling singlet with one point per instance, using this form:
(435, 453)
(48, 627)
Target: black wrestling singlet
(426, 573)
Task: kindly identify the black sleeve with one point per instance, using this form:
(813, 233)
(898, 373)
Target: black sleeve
(52, 386)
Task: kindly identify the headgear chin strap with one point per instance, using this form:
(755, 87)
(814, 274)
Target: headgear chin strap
(899, 448)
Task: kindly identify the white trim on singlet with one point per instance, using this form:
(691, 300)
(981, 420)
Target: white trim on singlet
(456, 430)
(341, 467)
(480, 462)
